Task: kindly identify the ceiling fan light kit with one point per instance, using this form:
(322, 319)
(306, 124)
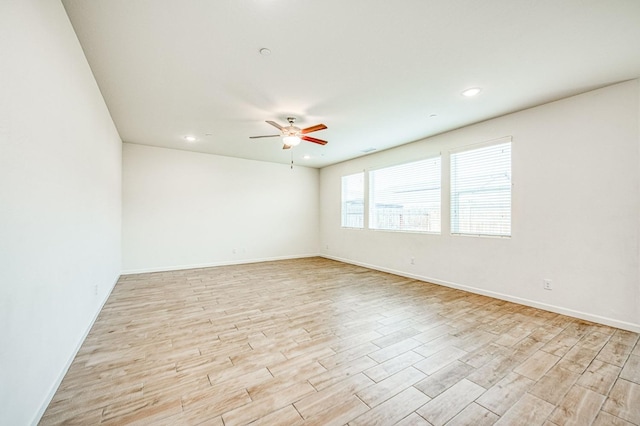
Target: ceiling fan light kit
(292, 135)
(291, 140)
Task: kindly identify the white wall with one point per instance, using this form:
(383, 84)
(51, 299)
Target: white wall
(183, 209)
(60, 178)
(576, 202)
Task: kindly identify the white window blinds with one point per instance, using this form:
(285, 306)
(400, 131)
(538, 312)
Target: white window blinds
(353, 201)
(481, 190)
(406, 197)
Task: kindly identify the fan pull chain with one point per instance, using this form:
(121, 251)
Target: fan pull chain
(291, 159)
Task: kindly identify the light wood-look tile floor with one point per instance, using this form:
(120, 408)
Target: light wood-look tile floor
(318, 342)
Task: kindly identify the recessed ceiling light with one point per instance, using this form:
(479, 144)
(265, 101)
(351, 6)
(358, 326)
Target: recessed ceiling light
(433, 115)
(265, 52)
(306, 157)
(190, 138)
(471, 92)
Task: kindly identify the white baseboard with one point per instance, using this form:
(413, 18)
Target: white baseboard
(213, 264)
(527, 302)
(56, 384)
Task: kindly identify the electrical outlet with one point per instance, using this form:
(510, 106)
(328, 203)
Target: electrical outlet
(546, 284)
(95, 289)
(413, 260)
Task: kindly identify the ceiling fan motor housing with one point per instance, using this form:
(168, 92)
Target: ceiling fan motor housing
(291, 130)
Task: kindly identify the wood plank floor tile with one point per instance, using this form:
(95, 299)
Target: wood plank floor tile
(434, 332)
(272, 387)
(395, 337)
(393, 410)
(545, 333)
(286, 416)
(143, 409)
(348, 355)
(440, 359)
(599, 377)
(317, 403)
(615, 353)
(213, 401)
(501, 396)
(631, 370)
(238, 376)
(474, 414)
(578, 359)
(625, 337)
(476, 340)
(484, 354)
(293, 366)
(392, 385)
(210, 405)
(525, 348)
(450, 402)
(606, 419)
(257, 409)
(393, 365)
(594, 340)
(555, 384)
(537, 365)
(561, 344)
(413, 419)
(512, 336)
(624, 401)
(493, 371)
(579, 407)
(444, 378)
(394, 350)
(300, 340)
(340, 413)
(75, 416)
(529, 410)
(436, 345)
(337, 374)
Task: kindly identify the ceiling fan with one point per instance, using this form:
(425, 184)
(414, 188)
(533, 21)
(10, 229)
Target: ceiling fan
(292, 135)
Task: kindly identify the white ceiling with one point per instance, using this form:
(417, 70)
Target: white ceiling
(373, 71)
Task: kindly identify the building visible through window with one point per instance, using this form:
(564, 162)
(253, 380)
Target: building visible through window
(353, 201)
(481, 190)
(406, 197)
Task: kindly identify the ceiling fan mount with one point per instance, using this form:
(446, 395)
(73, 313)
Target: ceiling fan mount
(292, 135)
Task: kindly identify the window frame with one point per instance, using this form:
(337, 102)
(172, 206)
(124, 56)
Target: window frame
(454, 210)
(371, 203)
(343, 201)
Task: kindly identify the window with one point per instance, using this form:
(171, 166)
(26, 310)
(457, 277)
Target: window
(353, 201)
(406, 197)
(481, 190)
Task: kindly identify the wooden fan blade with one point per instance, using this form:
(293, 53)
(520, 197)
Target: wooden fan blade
(265, 136)
(313, 128)
(276, 125)
(285, 146)
(314, 140)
